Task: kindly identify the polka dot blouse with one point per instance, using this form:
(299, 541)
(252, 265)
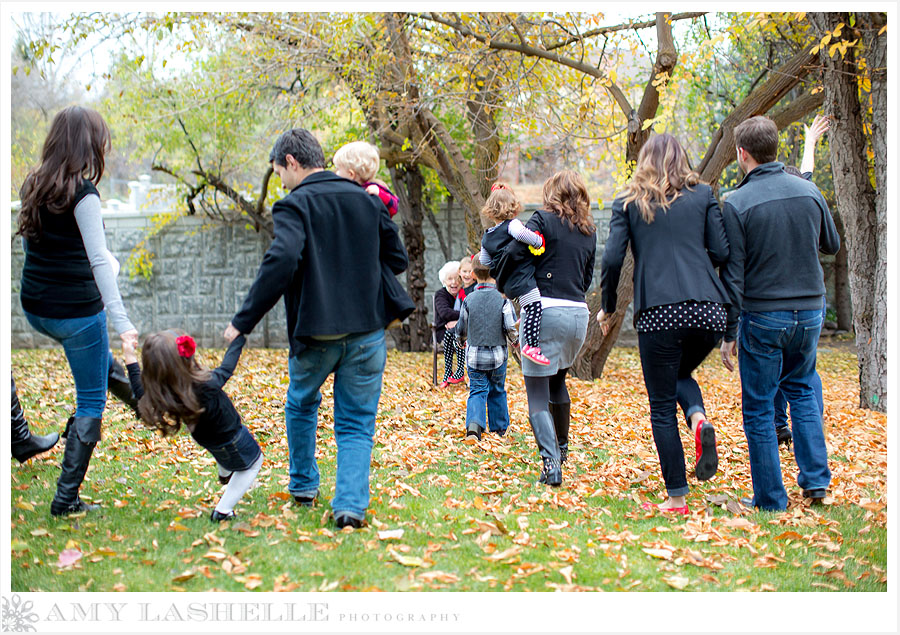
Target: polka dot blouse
(690, 314)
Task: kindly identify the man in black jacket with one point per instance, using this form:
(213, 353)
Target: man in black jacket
(776, 226)
(331, 240)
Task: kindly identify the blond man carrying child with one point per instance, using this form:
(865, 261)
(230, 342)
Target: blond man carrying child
(486, 320)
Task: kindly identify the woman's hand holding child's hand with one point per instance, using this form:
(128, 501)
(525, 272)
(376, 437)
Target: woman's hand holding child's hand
(129, 349)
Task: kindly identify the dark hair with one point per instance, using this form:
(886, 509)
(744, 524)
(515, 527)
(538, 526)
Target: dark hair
(759, 137)
(75, 149)
(300, 144)
(482, 272)
(169, 379)
(566, 195)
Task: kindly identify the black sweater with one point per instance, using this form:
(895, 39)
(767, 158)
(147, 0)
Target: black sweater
(331, 241)
(443, 311)
(777, 224)
(219, 421)
(57, 280)
(566, 268)
(674, 256)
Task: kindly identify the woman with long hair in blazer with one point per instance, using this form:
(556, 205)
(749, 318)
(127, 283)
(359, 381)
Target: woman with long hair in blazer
(677, 235)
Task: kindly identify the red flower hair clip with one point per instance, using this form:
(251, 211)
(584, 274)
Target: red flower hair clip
(499, 186)
(186, 345)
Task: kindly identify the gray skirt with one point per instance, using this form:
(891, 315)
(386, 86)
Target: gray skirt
(563, 329)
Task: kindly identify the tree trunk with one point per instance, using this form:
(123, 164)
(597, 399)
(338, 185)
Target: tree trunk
(862, 211)
(721, 151)
(415, 335)
(596, 349)
(592, 358)
(842, 281)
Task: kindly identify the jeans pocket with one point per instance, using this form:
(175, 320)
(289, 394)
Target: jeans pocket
(370, 357)
(760, 338)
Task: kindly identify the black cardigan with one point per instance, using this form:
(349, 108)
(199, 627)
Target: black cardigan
(443, 311)
(566, 268)
(674, 256)
(331, 241)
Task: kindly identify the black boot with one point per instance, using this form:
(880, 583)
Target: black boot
(25, 445)
(82, 434)
(544, 434)
(561, 418)
(784, 435)
(117, 383)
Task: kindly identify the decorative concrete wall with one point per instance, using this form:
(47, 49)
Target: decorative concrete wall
(202, 272)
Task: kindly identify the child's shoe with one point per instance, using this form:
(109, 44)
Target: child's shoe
(217, 516)
(473, 432)
(534, 354)
(458, 380)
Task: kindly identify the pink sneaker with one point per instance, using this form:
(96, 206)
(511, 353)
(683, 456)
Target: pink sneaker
(534, 354)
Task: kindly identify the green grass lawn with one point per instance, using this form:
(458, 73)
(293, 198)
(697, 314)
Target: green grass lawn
(446, 515)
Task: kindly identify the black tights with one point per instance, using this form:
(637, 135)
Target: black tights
(542, 390)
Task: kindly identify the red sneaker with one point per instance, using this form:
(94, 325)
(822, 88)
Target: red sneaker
(534, 354)
(707, 459)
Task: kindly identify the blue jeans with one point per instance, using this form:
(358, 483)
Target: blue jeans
(85, 341)
(487, 392)
(781, 413)
(778, 349)
(357, 362)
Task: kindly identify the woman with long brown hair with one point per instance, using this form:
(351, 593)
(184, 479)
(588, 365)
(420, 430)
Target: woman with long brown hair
(563, 273)
(677, 237)
(69, 279)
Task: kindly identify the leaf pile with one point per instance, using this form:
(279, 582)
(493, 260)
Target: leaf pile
(444, 514)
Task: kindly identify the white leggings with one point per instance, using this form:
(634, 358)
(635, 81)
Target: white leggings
(238, 485)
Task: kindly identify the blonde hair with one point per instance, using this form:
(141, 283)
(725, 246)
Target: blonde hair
(565, 194)
(502, 204)
(359, 156)
(661, 173)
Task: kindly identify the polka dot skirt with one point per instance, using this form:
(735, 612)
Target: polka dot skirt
(690, 314)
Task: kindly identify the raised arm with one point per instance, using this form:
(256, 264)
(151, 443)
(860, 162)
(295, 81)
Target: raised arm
(813, 133)
(223, 373)
(276, 270)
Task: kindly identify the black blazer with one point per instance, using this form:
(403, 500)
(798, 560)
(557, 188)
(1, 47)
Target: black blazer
(674, 256)
(566, 268)
(331, 242)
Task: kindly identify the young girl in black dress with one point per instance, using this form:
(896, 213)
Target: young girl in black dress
(175, 389)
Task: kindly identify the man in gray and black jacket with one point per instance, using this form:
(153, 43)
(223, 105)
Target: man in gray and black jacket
(776, 225)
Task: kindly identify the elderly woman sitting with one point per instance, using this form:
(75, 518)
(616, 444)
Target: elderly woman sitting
(446, 313)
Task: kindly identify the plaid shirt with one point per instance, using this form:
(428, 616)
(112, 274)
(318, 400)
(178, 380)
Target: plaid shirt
(491, 357)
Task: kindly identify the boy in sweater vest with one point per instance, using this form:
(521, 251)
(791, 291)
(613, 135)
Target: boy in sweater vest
(486, 320)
